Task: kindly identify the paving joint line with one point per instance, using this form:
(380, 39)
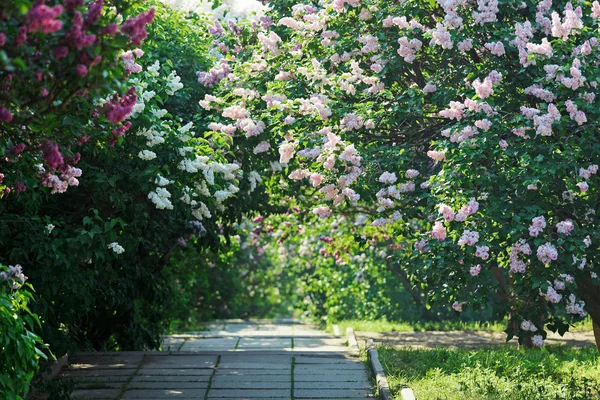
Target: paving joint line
(209, 385)
(133, 375)
(292, 379)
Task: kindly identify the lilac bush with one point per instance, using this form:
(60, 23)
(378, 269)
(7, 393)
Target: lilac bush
(466, 129)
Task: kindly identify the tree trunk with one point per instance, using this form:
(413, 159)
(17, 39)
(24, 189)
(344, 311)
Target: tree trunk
(527, 343)
(591, 295)
(597, 335)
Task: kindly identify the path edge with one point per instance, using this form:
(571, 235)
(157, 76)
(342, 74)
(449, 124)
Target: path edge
(352, 342)
(378, 372)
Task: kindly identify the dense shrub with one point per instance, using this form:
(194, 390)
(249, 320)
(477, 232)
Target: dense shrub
(20, 348)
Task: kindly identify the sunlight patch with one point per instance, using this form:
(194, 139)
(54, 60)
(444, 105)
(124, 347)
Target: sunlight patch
(238, 9)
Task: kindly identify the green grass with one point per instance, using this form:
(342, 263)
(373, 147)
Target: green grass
(387, 326)
(384, 326)
(191, 325)
(551, 373)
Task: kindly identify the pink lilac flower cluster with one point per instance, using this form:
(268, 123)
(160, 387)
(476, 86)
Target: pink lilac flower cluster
(455, 111)
(286, 152)
(586, 173)
(262, 147)
(14, 275)
(541, 93)
(516, 264)
(77, 36)
(421, 245)
(528, 326)
(537, 341)
(447, 212)
(437, 155)
(52, 155)
(547, 253)
(551, 294)
(537, 225)
(482, 252)
(135, 28)
(118, 109)
(484, 89)
(322, 212)
(571, 20)
(565, 227)
(496, 48)
(469, 238)
(543, 122)
(215, 74)
(388, 178)
(574, 113)
(129, 57)
(5, 115)
(408, 48)
(475, 271)
(42, 18)
(575, 307)
(439, 231)
(577, 79)
(486, 11)
(60, 183)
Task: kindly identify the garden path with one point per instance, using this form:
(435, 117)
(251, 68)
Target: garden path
(233, 360)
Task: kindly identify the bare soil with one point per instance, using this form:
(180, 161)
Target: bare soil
(465, 339)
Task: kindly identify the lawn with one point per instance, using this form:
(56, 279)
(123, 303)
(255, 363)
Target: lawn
(387, 326)
(384, 326)
(501, 373)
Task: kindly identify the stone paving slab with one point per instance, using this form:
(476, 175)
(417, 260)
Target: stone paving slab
(316, 368)
(165, 378)
(99, 359)
(362, 384)
(219, 384)
(167, 385)
(174, 371)
(349, 377)
(250, 398)
(233, 360)
(262, 343)
(98, 379)
(256, 393)
(251, 378)
(212, 344)
(96, 372)
(262, 356)
(95, 394)
(254, 366)
(330, 393)
(164, 394)
(326, 360)
(81, 384)
(189, 362)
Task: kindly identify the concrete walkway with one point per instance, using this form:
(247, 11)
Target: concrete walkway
(233, 360)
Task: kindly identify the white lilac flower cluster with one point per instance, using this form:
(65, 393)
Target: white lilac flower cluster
(116, 247)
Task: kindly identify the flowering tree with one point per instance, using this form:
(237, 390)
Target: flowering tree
(465, 130)
(99, 253)
(58, 58)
